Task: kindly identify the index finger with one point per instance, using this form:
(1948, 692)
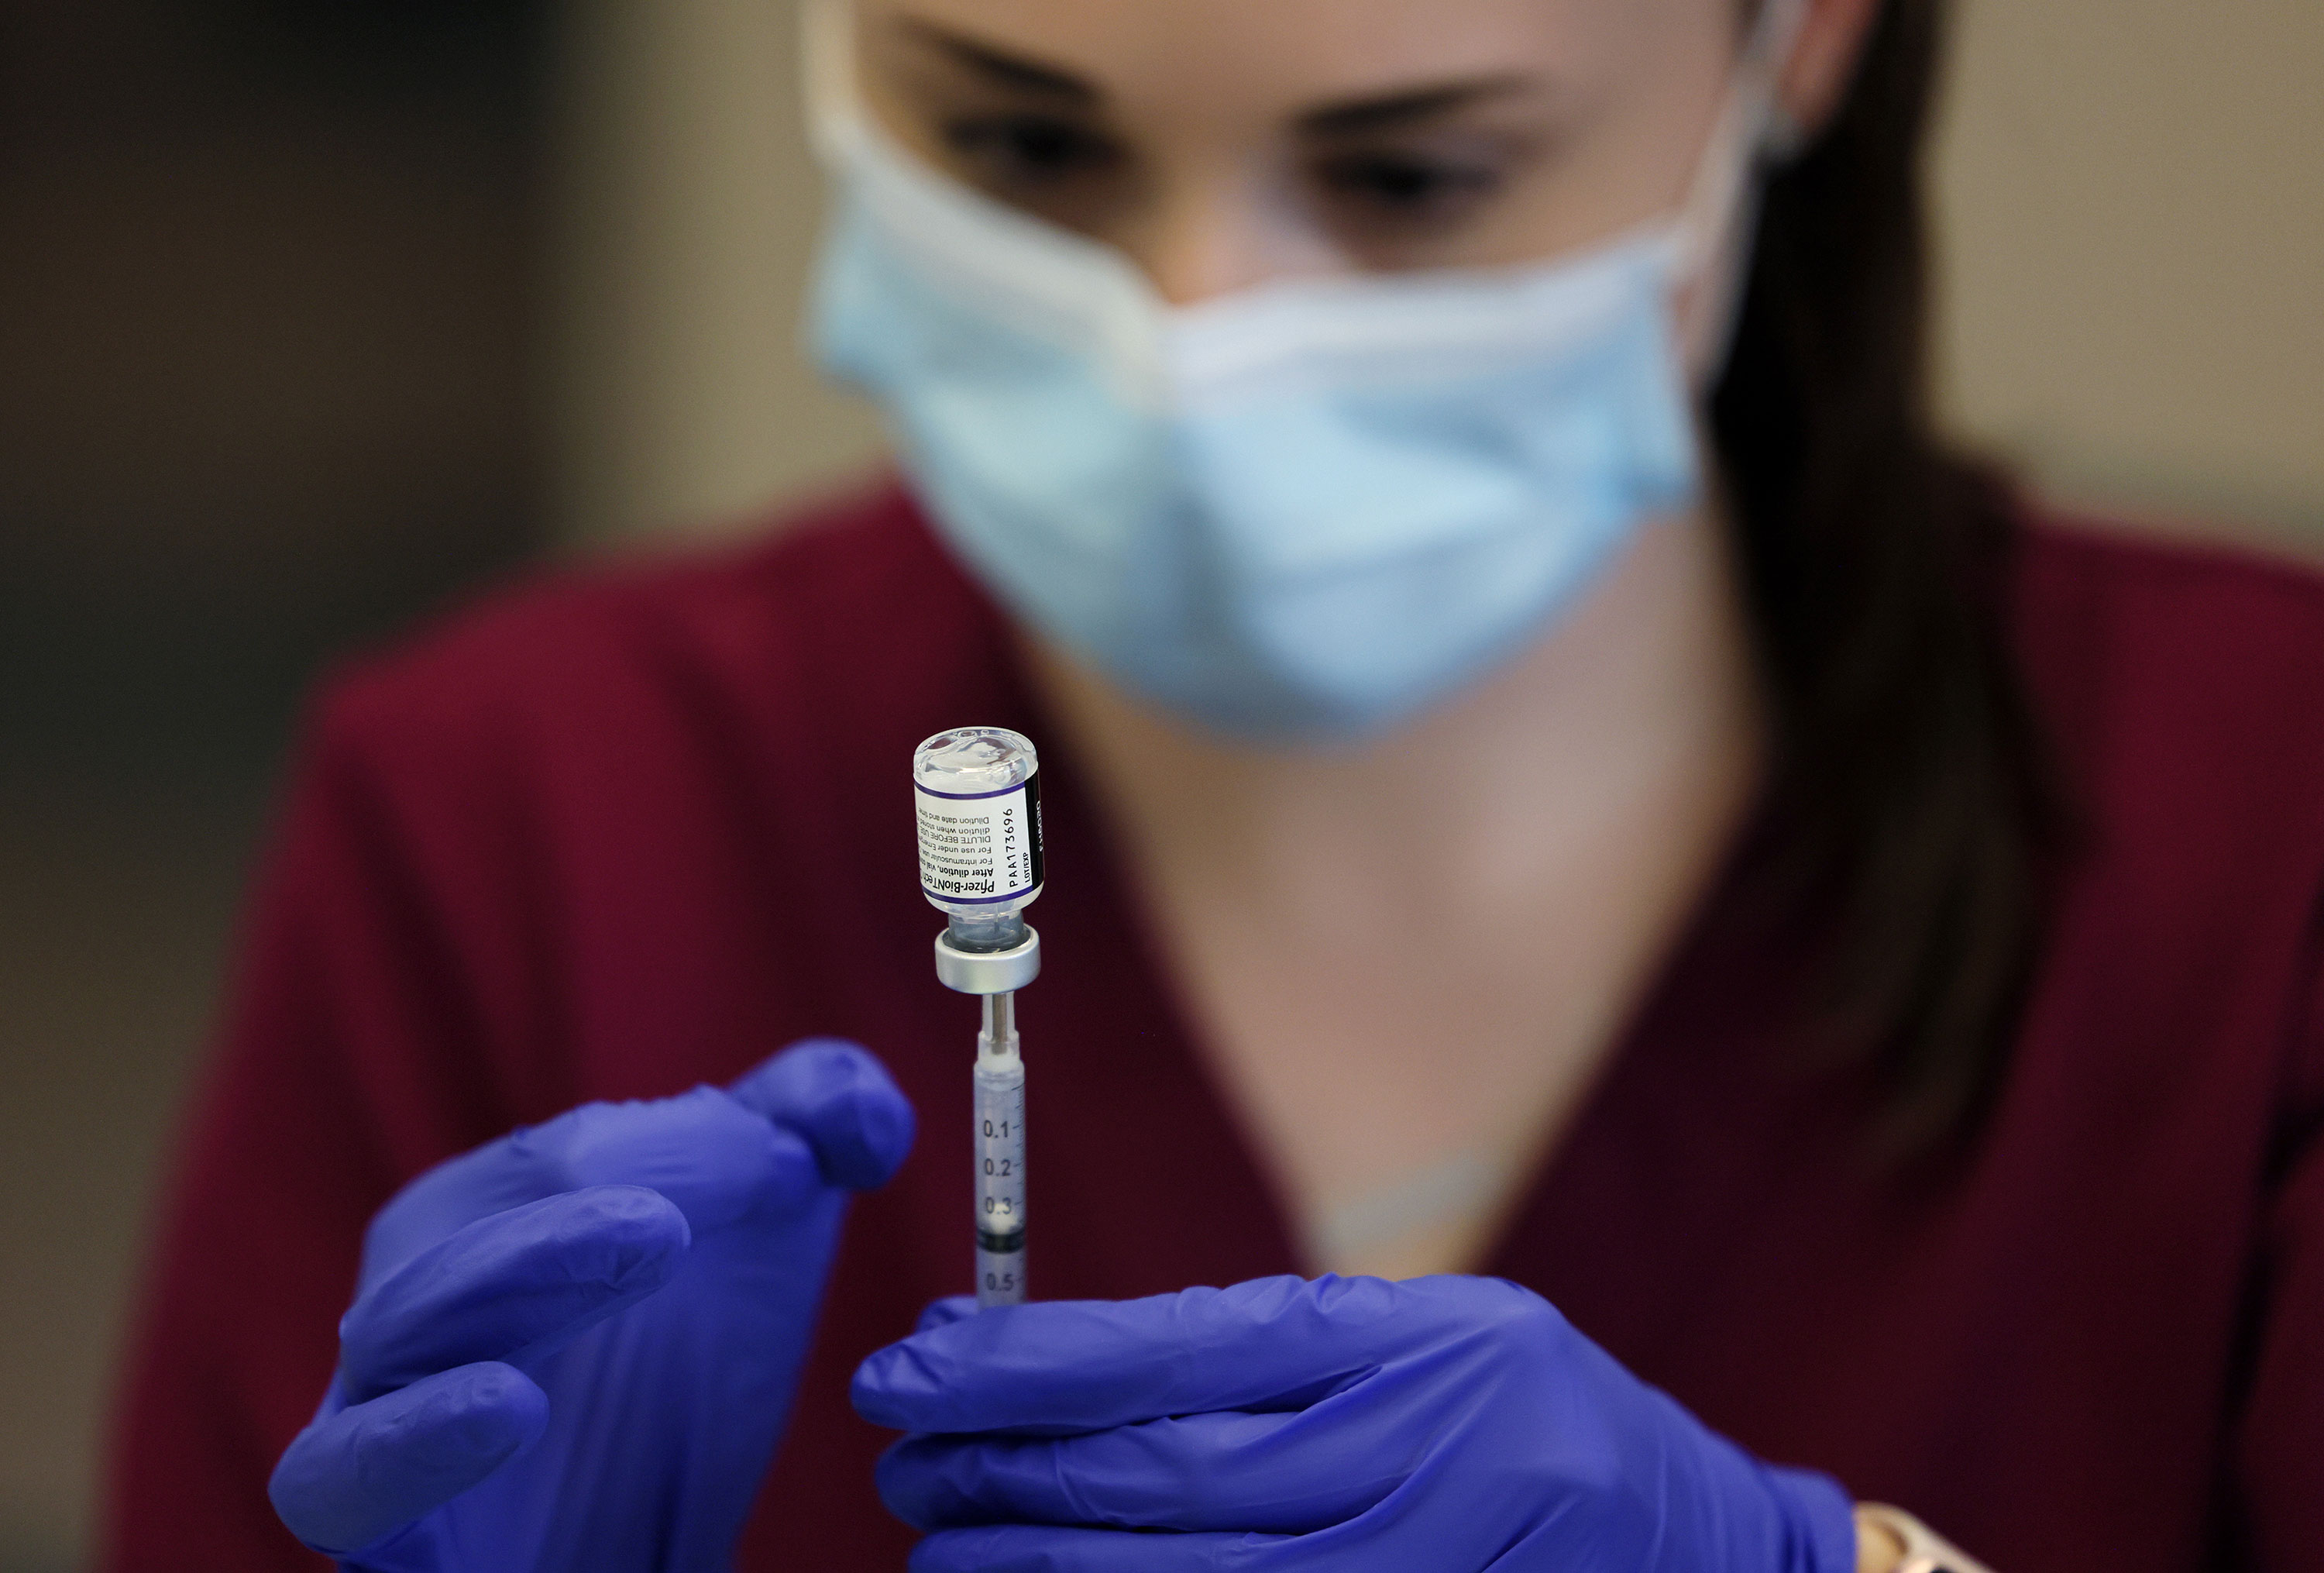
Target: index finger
(1064, 1367)
(841, 1102)
(514, 1287)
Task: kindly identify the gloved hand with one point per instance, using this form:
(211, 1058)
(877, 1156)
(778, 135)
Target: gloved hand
(1452, 1424)
(576, 1347)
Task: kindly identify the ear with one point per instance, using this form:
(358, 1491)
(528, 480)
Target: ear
(1832, 36)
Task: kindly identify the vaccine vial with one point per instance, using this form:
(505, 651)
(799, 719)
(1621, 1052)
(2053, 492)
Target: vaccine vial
(978, 793)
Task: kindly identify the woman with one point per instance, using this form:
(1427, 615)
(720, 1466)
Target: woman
(1550, 774)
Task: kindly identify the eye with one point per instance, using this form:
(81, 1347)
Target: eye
(1403, 187)
(1023, 151)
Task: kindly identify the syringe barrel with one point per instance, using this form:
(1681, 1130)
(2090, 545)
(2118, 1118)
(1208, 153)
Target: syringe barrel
(977, 791)
(999, 1174)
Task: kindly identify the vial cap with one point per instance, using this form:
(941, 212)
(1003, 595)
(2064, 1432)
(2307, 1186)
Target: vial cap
(969, 760)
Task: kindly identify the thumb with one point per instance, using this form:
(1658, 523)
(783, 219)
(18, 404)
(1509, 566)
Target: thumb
(943, 1313)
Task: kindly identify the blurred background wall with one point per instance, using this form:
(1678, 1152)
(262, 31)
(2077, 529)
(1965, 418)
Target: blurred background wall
(315, 313)
(269, 370)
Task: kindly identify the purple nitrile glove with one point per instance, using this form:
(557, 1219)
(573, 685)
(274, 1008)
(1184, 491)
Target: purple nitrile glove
(1453, 1424)
(576, 1347)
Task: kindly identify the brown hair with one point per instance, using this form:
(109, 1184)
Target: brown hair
(1917, 805)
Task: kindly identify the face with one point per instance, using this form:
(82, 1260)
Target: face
(1222, 143)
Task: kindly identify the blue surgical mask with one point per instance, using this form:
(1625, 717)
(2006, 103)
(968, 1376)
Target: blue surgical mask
(1311, 509)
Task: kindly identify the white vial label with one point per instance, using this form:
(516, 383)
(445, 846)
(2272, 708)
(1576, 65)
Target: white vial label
(983, 849)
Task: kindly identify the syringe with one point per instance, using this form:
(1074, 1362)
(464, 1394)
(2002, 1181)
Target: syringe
(977, 791)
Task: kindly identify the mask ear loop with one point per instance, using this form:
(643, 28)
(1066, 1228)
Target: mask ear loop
(1720, 219)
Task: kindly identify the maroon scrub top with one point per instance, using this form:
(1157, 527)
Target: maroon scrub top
(634, 829)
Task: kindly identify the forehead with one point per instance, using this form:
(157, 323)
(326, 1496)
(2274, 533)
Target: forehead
(1232, 57)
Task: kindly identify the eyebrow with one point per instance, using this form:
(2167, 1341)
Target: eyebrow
(1353, 118)
(1394, 111)
(1001, 69)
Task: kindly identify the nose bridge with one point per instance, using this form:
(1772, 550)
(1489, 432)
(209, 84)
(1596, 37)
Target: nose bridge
(1214, 228)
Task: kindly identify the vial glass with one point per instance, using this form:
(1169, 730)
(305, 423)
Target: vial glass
(977, 791)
